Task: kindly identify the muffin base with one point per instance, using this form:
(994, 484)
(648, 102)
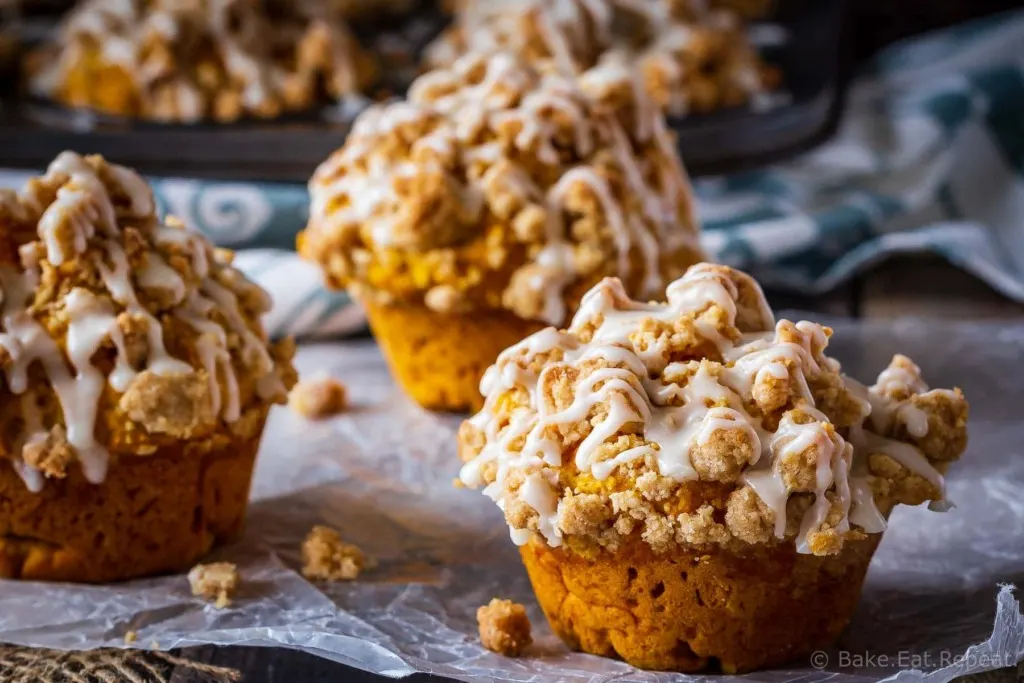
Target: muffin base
(690, 610)
(153, 514)
(439, 358)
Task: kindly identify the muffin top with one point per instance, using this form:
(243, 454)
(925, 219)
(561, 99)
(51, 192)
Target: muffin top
(121, 333)
(499, 185)
(690, 57)
(200, 59)
(702, 422)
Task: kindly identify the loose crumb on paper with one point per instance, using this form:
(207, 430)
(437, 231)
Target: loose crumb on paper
(325, 557)
(504, 627)
(318, 398)
(215, 581)
(130, 637)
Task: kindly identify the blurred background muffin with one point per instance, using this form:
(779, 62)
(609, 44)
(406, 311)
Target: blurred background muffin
(197, 60)
(691, 57)
(482, 208)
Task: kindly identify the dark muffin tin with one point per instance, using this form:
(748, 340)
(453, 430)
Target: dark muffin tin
(289, 148)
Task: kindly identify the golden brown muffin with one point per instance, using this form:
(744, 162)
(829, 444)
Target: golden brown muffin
(690, 57)
(692, 483)
(482, 208)
(219, 60)
(136, 381)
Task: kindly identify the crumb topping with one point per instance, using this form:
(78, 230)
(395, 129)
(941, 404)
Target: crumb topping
(325, 557)
(689, 57)
(189, 61)
(318, 398)
(504, 627)
(215, 581)
(119, 332)
(702, 421)
(498, 185)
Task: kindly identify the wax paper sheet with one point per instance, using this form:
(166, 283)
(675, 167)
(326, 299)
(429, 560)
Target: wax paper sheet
(937, 598)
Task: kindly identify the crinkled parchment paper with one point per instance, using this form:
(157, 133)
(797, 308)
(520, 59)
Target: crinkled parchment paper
(382, 475)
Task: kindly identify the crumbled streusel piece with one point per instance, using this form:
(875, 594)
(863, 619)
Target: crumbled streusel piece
(584, 514)
(49, 453)
(175, 405)
(215, 581)
(318, 398)
(725, 454)
(504, 627)
(748, 518)
(325, 557)
(700, 528)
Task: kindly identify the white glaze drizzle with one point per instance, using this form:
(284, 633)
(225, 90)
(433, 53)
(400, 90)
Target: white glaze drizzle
(680, 406)
(91, 196)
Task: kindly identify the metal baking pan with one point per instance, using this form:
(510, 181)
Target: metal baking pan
(289, 149)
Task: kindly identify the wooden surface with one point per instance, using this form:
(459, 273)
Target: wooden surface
(917, 287)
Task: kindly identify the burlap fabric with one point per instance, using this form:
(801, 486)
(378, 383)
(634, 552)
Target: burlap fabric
(28, 665)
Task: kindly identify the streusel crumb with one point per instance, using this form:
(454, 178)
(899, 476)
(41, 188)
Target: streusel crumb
(325, 557)
(702, 422)
(318, 398)
(504, 627)
(49, 453)
(215, 581)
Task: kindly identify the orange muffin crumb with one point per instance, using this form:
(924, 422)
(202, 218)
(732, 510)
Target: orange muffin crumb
(504, 627)
(325, 557)
(215, 581)
(318, 398)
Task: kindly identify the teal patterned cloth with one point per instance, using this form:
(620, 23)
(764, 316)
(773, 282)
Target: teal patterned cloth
(929, 158)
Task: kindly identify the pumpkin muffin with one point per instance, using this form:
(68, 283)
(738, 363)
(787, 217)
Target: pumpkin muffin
(483, 207)
(219, 60)
(689, 56)
(136, 381)
(694, 484)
